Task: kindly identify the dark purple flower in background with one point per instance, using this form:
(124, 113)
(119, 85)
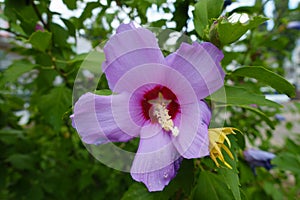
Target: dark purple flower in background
(258, 158)
(155, 98)
(293, 25)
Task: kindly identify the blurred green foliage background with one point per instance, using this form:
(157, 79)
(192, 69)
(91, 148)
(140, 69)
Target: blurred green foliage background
(42, 156)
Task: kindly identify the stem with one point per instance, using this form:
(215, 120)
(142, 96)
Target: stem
(39, 15)
(60, 72)
(198, 164)
(249, 47)
(13, 32)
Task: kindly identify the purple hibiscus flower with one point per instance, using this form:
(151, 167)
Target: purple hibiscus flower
(258, 158)
(293, 25)
(156, 98)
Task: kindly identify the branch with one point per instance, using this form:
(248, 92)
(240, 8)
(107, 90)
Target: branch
(13, 32)
(39, 15)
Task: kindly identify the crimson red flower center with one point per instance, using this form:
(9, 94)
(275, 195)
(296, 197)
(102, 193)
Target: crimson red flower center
(173, 107)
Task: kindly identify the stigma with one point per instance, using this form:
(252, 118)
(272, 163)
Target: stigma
(160, 114)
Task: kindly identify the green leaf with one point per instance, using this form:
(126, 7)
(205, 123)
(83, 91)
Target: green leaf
(87, 12)
(14, 71)
(35, 192)
(10, 136)
(142, 7)
(230, 176)
(71, 4)
(104, 92)
(157, 2)
(237, 96)
(240, 140)
(263, 116)
(271, 189)
(205, 11)
(227, 32)
(44, 60)
(138, 192)
(158, 23)
(163, 37)
(180, 15)
(60, 35)
(232, 181)
(244, 9)
(90, 62)
(288, 161)
(268, 77)
(54, 104)
(71, 27)
(40, 40)
(229, 56)
(292, 146)
(245, 173)
(44, 81)
(3, 176)
(27, 19)
(241, 97)
(17, 29)
(12, 6)
(183, 182)
(211, 186)
(21, 161)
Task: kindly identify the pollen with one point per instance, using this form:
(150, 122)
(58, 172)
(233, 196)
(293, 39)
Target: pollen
(159, 113)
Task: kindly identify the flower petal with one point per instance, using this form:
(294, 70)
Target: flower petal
(125, 27)
(200, 64)
(258, 158)
(129, 48)
(161, 75)
(156, 161)
(192, 140)
(256, 154)
(136, 108)
(122, 114)
(95, 122)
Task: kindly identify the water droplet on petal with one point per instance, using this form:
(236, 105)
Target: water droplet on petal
(166, 175)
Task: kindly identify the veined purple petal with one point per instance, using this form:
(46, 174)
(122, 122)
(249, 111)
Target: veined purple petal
(155, 162)
(192, 140)
(158, 74)
(121, 110)
(129, 48)
(200, 64)
(205, 113)
(136, 109)
(157, 180)
(94, 120)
